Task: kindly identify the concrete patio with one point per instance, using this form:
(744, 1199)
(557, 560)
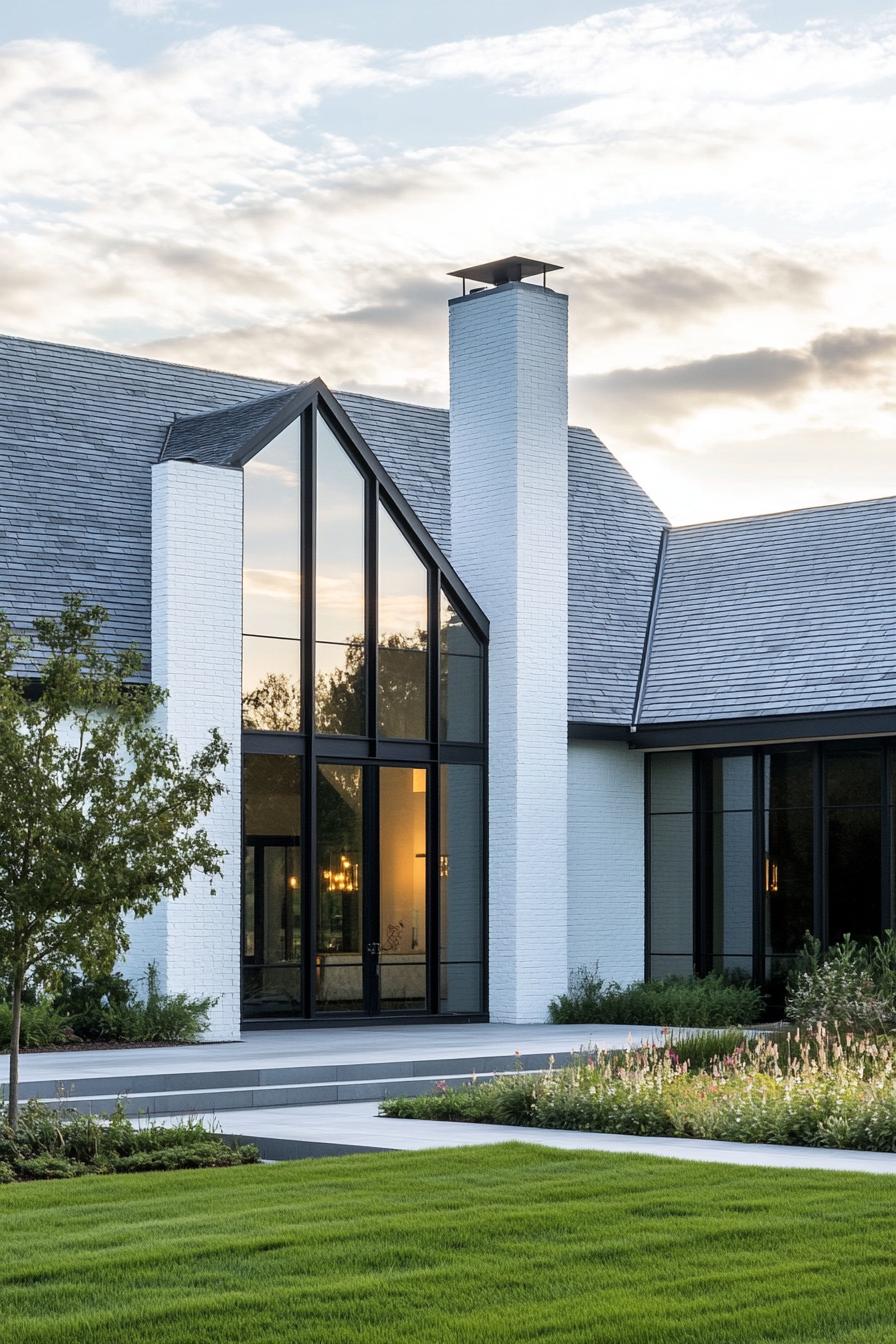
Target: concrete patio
(304, 1067)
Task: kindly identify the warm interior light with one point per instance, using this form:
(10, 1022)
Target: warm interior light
(293, 883)
(419, 781)
(345, 877)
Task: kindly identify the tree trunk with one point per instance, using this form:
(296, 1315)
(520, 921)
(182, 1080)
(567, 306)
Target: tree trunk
(18, 986)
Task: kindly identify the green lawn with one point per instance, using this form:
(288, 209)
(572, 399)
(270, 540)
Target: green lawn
(476, 1246)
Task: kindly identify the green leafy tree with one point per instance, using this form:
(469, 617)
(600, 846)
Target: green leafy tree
(98, 813)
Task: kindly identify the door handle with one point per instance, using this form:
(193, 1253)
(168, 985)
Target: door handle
(373, 949)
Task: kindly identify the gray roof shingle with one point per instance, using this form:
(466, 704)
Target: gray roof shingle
(614, 533)
(775, 615)
(80, 429)
(779, 614)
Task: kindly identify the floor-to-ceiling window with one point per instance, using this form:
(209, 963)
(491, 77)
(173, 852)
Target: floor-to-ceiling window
(671, 864)
(750, 849)
(364, 746)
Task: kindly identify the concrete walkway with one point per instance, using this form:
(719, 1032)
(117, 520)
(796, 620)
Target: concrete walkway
(286, 1132)
(325, 1046)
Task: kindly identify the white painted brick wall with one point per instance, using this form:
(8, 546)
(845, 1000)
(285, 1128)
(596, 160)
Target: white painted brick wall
(196, 654)
(606, 859)
(508, 356)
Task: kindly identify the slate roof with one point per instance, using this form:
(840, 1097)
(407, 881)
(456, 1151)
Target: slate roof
(614, 532)
(80, 429)
(780, 614)
(412, 444)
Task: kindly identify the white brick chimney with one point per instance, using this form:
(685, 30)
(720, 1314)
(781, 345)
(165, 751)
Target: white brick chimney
(509, 541)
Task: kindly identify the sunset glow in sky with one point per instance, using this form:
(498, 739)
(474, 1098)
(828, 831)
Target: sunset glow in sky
(279, 188)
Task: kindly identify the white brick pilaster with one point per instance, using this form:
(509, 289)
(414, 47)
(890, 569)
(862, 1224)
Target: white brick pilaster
(196, 656)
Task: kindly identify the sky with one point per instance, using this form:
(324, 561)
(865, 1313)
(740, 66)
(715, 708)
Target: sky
(279, 189)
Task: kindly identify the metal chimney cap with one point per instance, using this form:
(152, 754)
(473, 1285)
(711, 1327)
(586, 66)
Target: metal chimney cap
(504, 271)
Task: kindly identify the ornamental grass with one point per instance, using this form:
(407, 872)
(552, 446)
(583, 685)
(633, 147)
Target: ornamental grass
(822, 1088)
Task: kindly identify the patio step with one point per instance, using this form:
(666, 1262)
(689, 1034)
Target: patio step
(218, 1090)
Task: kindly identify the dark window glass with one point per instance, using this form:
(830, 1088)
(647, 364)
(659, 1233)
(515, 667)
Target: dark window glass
(730, 784)
(727, 801)
(339, 691)
(672, 887)
(339, 606)
(339, 596)
(271, 539)
(402, 634)
(460, 884)
(461, 678)
(402, 936)
(787, 778)
(671, 781)
(662, 965)
(731, 874)
(853, 776)
(786, 885)
(271, 684)
(272, 900)
(339, 889)
(854, 872)
(272, 585)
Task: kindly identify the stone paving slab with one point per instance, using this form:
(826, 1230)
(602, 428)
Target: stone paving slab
(354, 1127)
(325, 1046)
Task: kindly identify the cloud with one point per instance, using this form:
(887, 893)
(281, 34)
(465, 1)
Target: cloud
(720, 195)
(143, 9)
(158, 9)
(856, 355)
(832, 360)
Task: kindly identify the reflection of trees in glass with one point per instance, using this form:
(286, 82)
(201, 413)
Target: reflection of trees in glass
(274, 705)
(401, 685)
(339, 694)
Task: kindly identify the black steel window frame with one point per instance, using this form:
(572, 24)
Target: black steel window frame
(315, 749)
(820, 751)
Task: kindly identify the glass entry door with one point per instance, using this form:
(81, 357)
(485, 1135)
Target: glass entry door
(402, 916)
(372, 884)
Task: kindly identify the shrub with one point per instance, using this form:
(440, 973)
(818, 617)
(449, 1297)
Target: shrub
(822, 1089)
(852, 985)
(94, 1005)
(109, 1008)
(42, 1024)
(712, 1001)
(47, 1145)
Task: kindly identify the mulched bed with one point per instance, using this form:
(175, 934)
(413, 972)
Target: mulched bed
(72, 1047)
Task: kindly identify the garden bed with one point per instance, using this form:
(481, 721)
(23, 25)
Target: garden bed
(51, 1145)
(818, 1089)
(78, 1047)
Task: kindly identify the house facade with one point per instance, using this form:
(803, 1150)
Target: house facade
(491, 718)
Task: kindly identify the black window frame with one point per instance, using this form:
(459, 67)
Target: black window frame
(370, 749)
(820, 750)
